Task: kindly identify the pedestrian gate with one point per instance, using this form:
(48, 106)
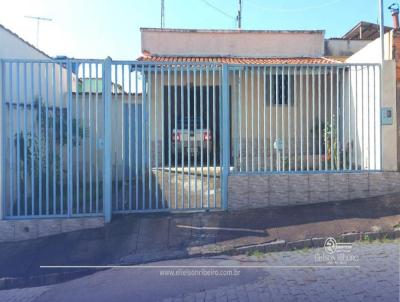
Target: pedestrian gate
(166, 140)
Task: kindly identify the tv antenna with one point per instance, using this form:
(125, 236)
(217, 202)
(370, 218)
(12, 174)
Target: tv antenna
(38, 19)
(162, 14)
(239, 15)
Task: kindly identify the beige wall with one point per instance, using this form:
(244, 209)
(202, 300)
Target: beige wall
(278, 118)
(389, 132)
(233, 43)
(292, 123)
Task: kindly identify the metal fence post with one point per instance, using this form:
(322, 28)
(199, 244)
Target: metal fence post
(2, 140)
(107, 195)
(226, 136)
(69, 136)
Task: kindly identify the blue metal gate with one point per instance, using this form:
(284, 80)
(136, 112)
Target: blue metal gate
(97, 137)
(166, 137)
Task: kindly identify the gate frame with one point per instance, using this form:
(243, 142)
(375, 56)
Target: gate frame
(224, 125)
(226, 136)
(107, 179)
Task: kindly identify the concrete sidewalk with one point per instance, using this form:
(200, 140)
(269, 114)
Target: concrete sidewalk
(135, 238)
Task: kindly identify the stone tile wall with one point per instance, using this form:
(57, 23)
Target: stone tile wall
(255, 191)
(15, 230)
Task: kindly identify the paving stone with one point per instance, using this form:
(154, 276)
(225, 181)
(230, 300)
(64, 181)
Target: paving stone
(279, 183)
(338, 182)
(299, 197)
(358, 181)
(49, 227)
(318, 196)
(238, 192)
(26, 230)
(338, 195)
(279, 198)
(7, 231)
(298, 182)
(319, 182)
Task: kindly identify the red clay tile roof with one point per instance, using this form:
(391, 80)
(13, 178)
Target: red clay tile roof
(237, 60)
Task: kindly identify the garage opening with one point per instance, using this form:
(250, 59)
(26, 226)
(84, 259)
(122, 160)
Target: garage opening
(191, 125)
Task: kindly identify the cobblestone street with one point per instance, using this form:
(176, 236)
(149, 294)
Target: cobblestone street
(370, 274)
(376, 278)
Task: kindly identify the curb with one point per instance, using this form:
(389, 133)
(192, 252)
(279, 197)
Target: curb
(281, 245)
(269, 247)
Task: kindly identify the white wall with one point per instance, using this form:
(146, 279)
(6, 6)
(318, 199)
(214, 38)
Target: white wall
(371, 54)
(13, 47)
(233, 43)
(26, 80)
(18, 88)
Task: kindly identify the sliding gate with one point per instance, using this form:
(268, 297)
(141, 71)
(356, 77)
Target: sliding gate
(166, 140)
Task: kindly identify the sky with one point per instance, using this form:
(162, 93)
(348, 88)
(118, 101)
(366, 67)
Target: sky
(101, 28)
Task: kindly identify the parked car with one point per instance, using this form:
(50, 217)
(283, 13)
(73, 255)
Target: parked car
(191, 135)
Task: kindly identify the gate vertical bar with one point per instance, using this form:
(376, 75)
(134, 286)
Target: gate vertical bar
(69, 138)
(226, 147)
(107, 140)
(53, 132)
(2, 139)
(61, 103)
(208, 141)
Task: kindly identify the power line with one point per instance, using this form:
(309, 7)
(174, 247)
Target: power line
(289, 10)
(218, 9)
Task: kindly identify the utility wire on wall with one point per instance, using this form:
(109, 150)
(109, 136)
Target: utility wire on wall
(238, 18)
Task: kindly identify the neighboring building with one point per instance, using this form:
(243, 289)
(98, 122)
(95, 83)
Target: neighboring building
(232, 43)
(365, 31)
(14, 47)
(352, 41)
(34, 85)
(96, 85)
